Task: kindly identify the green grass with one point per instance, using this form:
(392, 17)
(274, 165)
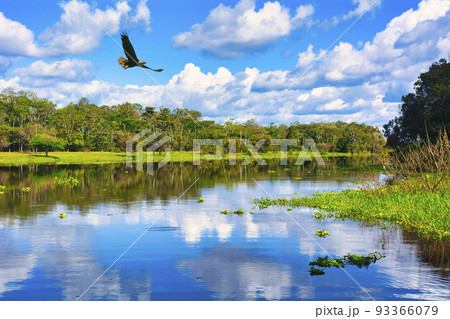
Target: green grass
(28, 158)
(425, 213)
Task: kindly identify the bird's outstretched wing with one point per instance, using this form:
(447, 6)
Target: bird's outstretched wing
(156, 70)
(128, 48)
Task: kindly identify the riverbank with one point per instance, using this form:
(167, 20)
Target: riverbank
(28, 158)
(427, 214)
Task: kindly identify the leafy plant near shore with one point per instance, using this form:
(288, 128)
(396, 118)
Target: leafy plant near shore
(26, 189)
(426, 213)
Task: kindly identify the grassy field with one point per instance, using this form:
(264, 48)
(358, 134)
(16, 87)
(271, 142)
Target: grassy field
(25, 158)
(423, 212)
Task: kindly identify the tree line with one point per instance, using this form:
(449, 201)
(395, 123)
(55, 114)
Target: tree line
(29, 123)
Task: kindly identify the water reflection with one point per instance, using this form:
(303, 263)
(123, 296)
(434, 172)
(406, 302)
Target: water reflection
(195, 253)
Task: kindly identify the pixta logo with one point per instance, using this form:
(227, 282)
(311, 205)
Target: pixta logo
(151, 143)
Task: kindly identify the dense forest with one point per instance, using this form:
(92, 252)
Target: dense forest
(26, 120)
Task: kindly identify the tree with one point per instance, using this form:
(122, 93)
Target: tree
(47, 143)
(425, 112)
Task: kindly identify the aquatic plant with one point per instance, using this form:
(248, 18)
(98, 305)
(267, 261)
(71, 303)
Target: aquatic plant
(425, 213)
(289, 209)
(327, 263)
(322, 233)
(2, 188)
(271, 171)
(26, 189)
(349, 259)
(200, 200)
(361, 260)
(296, 193)
(239, 212)
(316, 272)
(62, 215)
(67, 181)
(298, 178)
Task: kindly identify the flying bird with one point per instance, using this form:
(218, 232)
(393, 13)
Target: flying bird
(131, 55)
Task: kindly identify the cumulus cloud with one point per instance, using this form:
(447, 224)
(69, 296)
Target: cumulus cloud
(142, 16)
(16, 39)
(231, 32)
(40, 73)
(362, 7)
(363, 83)
(79, 30)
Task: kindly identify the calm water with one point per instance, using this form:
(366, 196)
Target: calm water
(192, 252)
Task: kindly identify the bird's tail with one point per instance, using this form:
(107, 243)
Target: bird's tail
(123, 62)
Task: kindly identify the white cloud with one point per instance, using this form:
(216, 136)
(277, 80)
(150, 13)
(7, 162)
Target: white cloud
(142, 16)
(362, 84)
(335, 105)
(40, 73)
(231, 32)
(16, 39)
(362, 7)
(79, 30)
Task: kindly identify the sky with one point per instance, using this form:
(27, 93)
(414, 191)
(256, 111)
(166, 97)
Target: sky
(272, 61)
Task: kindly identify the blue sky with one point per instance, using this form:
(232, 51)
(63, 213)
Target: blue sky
(241, 59)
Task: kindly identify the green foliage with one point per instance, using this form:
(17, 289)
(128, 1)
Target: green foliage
(361, 260)
(322, 233)
(200, 200)
(423, 212)
(46, 143)
(26, 189)
(239, 212)
(349, 259)
(2, 187)
(316, 272)
(324, 262)
(62, 215)
(425, 112)
(67, 181)
(86, 126)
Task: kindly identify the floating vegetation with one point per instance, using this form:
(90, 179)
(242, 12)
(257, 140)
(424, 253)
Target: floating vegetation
(26, 189)
(296, 193)
(251, 213)
(121, 213)
(320, 215)
(2, 188)
(230, 188)
(349, 259)
(298, 178)
(322, 233)
(361, 260)
(271, 172)
(289, 209)
(287, 169)
(62, 215)
(316, 272)
(200, 200)
(324, 262)
(67, 181)
(239, 212)
(422, 212)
